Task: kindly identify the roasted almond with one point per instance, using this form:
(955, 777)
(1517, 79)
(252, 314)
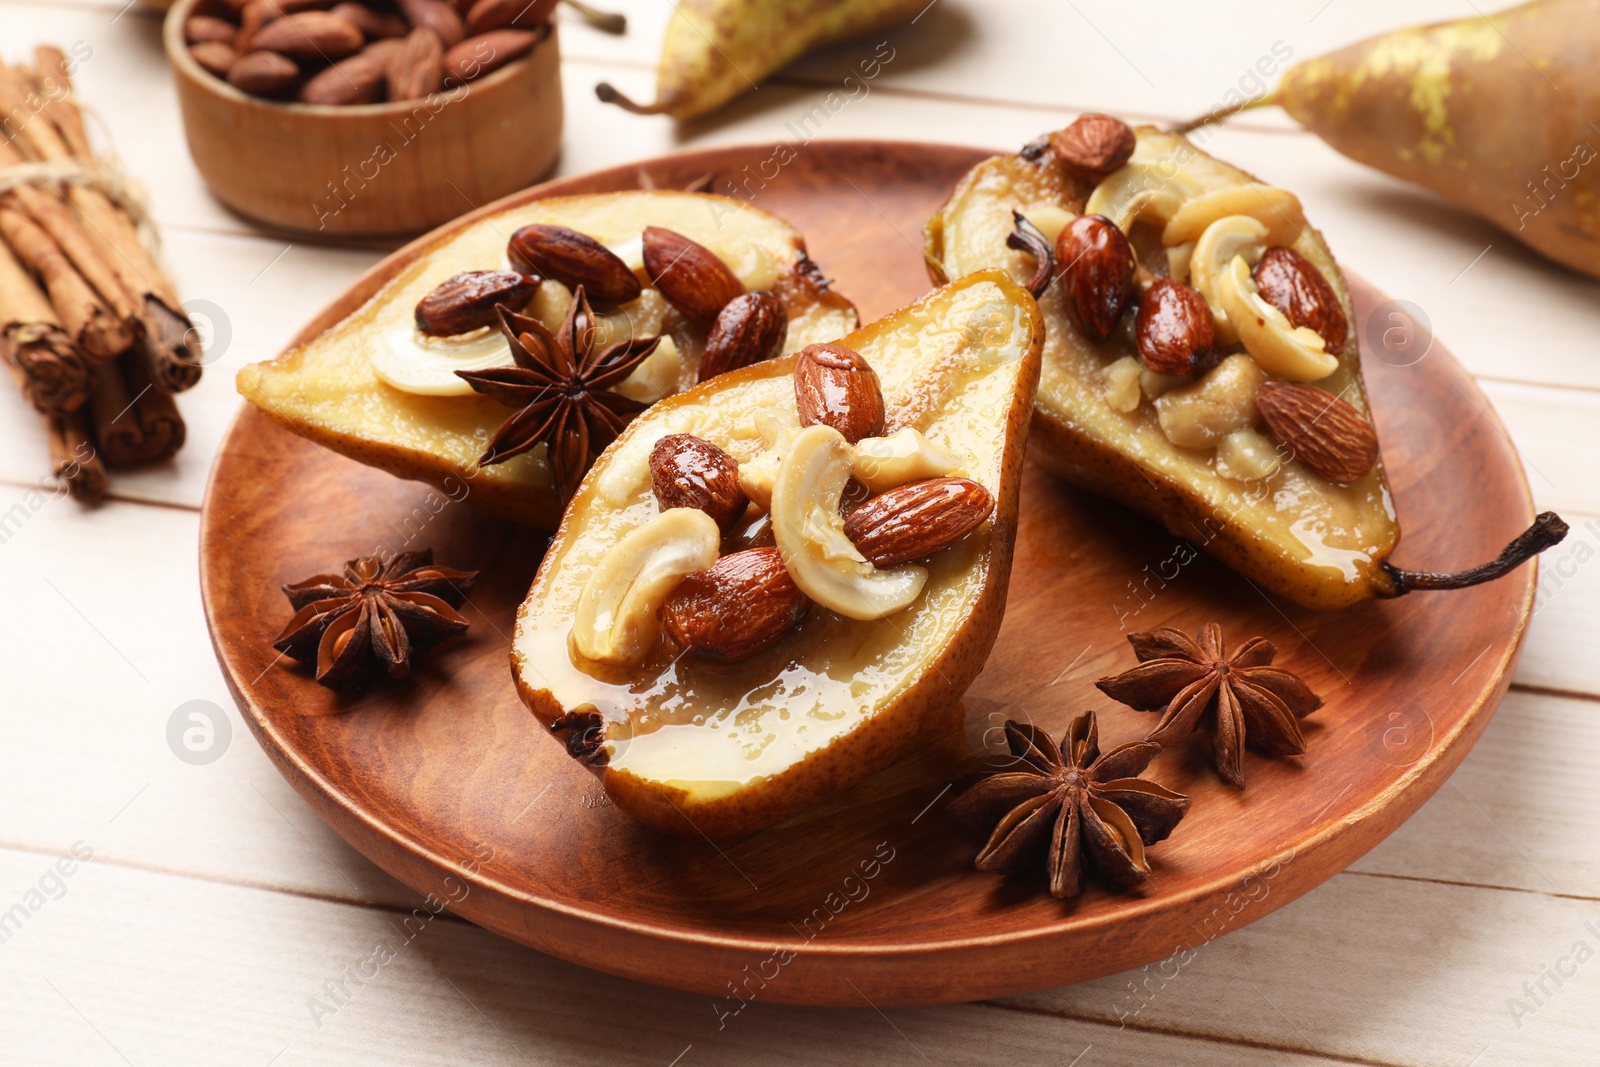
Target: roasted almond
(417, 67)
(1321, 430)
(201, 28)
(573, 259)
(486, 15)
(1174, 330)
(309, 35)
(214, 56)
(487, 53)
(358, 79)
(750, 328)
(1096, 266)
(436, 16)
(834, 386)
(1289, 282)
(468, 301)
(917, 519)
(743, 603)
(1095, 144)
(262, 73)
(374, 25)
(255, 14)
(690, 472)
(691, 276)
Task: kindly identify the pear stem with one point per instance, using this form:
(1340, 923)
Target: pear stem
(1218, 114)
(1547, 531)
(610, 94)
(604, 21)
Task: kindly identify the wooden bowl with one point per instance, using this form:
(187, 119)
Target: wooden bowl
(447, 781)
(369, 169)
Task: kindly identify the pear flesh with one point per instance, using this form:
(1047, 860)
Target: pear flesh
(727, 748)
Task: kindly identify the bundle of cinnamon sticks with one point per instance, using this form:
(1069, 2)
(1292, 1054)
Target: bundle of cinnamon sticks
(90, 326)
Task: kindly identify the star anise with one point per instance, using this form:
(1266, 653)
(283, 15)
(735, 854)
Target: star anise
(562, 385)
(374, 614)
(1239, 698)
(1074, 806)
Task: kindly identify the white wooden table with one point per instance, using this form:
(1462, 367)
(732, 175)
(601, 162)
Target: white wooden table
(215, 911)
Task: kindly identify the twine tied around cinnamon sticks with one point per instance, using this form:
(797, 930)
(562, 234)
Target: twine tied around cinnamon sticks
(91, 328)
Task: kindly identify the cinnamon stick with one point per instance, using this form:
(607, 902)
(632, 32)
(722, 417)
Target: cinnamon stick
(177, 351)
(97, 329)
(51, 372)
(112, 421)
(158, 416)
(73, 457)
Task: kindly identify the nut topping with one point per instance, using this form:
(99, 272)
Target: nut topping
(1289, 282)
(917, 520)
(1322, 431)
(468, 301)
(1174, 330)
(834, 386)
(1094, 144)
(573, 259)
(750, 328)
(690, 472)
(1096, 265)
(618, 609)
(810, 533)
(691, 276)
(741, 604)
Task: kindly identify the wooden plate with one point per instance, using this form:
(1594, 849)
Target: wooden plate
(447, 783)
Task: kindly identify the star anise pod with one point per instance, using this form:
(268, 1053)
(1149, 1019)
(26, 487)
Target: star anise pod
(562, 385)
(373, 614)
(1072, 805)
(1240, 698)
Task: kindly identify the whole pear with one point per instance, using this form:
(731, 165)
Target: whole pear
(1498, 114)
(716, 49)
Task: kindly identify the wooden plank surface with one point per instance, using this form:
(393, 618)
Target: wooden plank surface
(215, 904)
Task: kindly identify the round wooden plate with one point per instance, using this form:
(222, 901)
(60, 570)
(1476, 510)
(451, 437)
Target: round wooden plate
(447, 783)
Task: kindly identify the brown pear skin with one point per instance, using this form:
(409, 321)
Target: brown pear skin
(1496, 114)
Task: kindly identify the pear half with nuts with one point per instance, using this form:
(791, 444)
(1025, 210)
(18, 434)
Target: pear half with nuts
(383, 387)
(1200, 359)
(772, 584)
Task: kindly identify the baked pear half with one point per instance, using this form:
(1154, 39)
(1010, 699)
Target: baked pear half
(1200, 359)
(770, 585)
(387, 385)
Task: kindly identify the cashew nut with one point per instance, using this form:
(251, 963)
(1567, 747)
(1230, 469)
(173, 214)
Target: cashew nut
(1293, 352)
(617, 620)
(810, 533)
(882, 463)
(1139, 190)
(1278, 209)
(1235, 235)
(1204, 412)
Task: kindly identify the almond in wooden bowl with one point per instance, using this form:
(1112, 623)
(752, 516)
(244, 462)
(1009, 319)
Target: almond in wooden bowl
(381, 386)
(718, 684)
(355, 162)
